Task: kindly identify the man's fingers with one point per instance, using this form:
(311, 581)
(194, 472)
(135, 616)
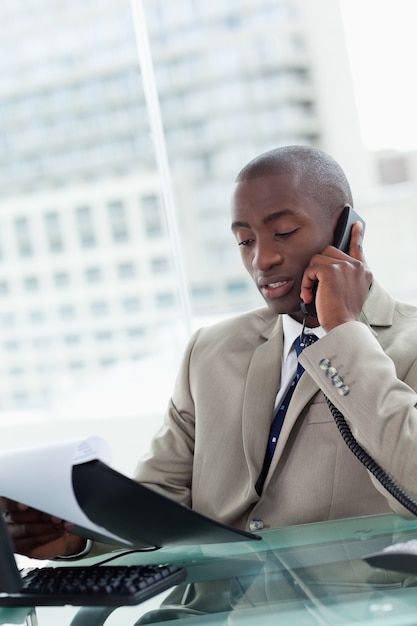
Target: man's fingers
(40, 531)
(25, 514)
(356, 239)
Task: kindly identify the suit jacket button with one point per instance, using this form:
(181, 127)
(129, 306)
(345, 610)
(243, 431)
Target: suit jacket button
(325, 364)
(256, 524)
(343, 390)
(331, 371)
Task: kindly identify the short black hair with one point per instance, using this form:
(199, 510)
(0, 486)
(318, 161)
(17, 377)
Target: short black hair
(320, 175)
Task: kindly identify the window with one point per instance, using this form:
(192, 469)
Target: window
(67, 312)
(53, 232)
(237, 287)
(7, 320)
(131, 304)
(107, 362)
(160, 265)
(104, 336)
(23, 239)
(165, 300)
(118, 221)
(126, 270)
(72, 339)
(93, 274)
(76, 365)
(136, 331)
(61, 279)
(31, 283)
(202, 292)
(152, 216)
(11, 346)
(99, 308)
(16, 371)
(37, 317)
(86, 233)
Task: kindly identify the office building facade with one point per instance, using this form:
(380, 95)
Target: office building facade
(87, 276)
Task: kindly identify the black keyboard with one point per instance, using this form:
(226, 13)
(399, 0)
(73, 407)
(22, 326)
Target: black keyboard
(110, 585)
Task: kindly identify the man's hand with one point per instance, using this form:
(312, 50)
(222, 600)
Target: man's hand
(37, 535)
(343, 282)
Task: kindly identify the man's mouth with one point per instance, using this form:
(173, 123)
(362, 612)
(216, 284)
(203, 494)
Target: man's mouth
(276, 289)
(277, 284)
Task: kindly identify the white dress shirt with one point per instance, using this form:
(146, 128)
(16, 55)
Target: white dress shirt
(289, 361)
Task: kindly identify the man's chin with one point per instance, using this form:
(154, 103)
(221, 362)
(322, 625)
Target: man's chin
(280, 308)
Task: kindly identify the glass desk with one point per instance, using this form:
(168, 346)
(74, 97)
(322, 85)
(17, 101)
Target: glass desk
(298, 575)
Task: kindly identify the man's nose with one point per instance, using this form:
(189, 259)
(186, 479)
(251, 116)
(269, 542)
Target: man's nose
(266, 256)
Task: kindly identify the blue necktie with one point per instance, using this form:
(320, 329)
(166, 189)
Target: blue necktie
(300, 343)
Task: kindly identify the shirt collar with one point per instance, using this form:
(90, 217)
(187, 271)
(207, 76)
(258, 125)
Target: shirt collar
(292, 329)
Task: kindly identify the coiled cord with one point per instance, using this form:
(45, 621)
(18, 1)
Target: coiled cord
(386, 481)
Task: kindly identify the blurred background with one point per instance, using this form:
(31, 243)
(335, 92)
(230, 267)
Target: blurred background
(122, 127)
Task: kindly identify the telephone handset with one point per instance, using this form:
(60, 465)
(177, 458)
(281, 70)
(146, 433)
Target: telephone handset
(341, 240)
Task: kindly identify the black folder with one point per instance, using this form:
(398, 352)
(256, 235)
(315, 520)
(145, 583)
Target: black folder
(140, 515)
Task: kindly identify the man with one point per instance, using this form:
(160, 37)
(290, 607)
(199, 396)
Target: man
(211, 450)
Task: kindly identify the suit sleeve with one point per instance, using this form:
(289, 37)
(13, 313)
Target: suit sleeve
(168, 466)
(362, 381)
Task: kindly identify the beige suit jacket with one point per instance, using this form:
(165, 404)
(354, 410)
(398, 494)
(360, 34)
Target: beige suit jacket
(210, 450)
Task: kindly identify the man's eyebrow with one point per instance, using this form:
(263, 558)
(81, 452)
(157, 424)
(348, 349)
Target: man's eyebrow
(277, 214)
(239, 225)
(269, 218)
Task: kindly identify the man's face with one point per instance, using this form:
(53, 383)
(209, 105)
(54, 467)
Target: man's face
(278, 229)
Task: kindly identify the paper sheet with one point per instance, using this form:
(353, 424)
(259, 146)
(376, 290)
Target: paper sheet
(41, 477)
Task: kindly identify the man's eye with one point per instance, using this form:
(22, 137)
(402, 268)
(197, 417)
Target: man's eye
(286, 234)
(245, 242)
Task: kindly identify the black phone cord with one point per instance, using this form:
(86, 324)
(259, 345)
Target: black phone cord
(386, 481)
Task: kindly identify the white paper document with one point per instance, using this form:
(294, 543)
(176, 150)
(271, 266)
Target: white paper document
(41, 477)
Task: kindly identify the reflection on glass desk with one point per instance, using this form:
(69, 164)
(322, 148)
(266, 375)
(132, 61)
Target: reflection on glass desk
(299, 575)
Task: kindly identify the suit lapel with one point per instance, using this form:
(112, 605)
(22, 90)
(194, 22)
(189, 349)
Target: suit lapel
(262, 382)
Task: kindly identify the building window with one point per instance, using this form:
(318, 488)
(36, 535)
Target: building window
(104, 335)
(7, 320)
(54, 232)
(238, 287)
(93, 274)
(61, 279)
(72, 339)
(85, 227)
(202, 292)
(99, 308)
(37, 317)
(11, 346)
(131, 304)
(31, 283)
(75, 365)
(23, 239)
(160, 265)
(67, 312)
(135, 331)
(152, 215)
(165, 300)
(118, 221)
(107, 362)
(16, 371)
(126, 270)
